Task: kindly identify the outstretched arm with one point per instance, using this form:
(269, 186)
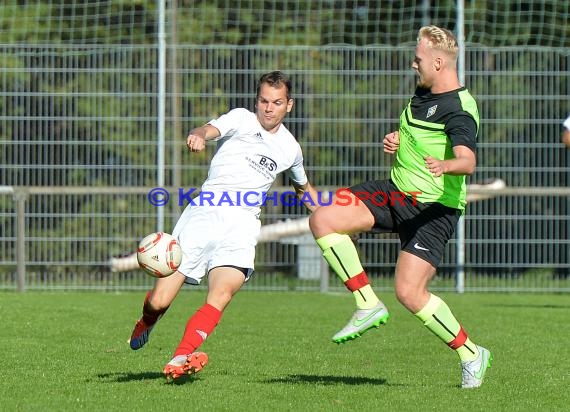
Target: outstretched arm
(196, 140)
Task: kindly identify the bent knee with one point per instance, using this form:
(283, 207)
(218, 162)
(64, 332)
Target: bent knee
(318, 223)
(220, 299)
(327, 220)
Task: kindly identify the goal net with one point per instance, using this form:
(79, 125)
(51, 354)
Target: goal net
(291, 22)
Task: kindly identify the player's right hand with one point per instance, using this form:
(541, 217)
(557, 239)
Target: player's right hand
(391, 142)
(195, 143)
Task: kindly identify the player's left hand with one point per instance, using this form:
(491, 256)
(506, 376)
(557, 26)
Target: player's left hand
(435, 166)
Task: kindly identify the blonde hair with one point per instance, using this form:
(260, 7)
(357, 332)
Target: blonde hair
(439, 39)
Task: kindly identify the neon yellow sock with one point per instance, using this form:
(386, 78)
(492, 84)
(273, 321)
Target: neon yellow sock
(342, 256)
(438, 318)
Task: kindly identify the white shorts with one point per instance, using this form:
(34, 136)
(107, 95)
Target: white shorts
(212, 236)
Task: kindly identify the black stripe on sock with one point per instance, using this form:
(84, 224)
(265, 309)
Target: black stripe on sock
(445, 327)
(345, 271)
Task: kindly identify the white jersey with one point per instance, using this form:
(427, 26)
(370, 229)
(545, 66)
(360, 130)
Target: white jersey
(248, 160)
(246, 163)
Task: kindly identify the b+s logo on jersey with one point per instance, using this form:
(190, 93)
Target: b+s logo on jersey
(266, 162)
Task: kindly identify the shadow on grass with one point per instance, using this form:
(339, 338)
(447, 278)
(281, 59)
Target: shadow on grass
(326, 380)
(142, 376)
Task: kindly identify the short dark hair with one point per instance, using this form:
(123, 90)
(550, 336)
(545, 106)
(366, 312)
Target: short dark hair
(275, 79)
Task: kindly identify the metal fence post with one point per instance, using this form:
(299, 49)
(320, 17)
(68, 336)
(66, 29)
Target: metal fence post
(20, 200)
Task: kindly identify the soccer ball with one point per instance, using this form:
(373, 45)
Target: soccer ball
(159, 254)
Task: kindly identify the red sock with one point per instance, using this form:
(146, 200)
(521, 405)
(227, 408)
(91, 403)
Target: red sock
(198, 328)
(149, 315)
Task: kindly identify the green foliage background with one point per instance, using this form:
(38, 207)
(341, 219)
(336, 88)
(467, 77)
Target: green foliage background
(38, 36)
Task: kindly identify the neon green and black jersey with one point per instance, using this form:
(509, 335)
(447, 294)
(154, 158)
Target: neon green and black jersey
(431, 125)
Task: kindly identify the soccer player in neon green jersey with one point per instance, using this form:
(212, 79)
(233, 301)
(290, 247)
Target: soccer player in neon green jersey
(434, 150)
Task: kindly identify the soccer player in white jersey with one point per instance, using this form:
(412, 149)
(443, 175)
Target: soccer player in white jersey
(218, 229)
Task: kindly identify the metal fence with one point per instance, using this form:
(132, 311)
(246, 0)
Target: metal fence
(76, 260)
(79, 131)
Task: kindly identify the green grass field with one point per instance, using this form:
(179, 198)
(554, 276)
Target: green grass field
(272, 352)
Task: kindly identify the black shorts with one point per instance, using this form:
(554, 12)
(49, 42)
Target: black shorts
(424, 228)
